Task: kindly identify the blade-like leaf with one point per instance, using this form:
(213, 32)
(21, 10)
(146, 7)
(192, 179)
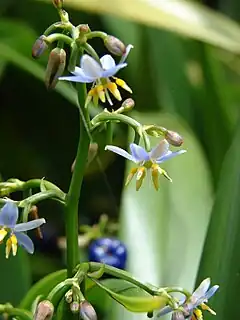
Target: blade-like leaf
(134, 303)
(187, 18)
(220, 258)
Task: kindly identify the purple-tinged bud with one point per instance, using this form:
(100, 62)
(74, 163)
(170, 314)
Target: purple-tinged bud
(55, 67)
(173, 138)
(39, 47)
(74, 307)
(83, 28)
(58, 4)
(44, 311)
(114, 45)
(128, 104)
(87, 311)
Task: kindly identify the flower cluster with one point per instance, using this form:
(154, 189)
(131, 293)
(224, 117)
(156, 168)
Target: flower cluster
(8, 226)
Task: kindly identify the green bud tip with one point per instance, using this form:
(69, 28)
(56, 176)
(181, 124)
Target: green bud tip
(87, 311)
(58, 4)
(115, 46)
(128, 104)
(44, 311)
(55, 67)
(173, 138)
(39, 47)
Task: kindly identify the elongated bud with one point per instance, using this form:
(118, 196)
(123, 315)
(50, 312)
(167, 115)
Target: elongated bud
(39, 47)
(58, 4)
(87, 311)
(114, 45)
(174, 138)
(44, 311)
(55, 67)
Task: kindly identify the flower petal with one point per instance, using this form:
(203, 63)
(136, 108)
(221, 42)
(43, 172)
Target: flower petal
(107, 62)
(170, 155)
(211, 292)
(160, 150)
(25, 241)
(139, 153)
(9, 214)
(111, 72)
(91, 67)
(76, 79)
(125, 55)
(164, 311)
(200, 292)
(29, 225)
(121, 152)
(80, 73)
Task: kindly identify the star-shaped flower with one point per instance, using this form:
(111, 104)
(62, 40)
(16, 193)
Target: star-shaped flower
(100, 74)
(147, 161)
(189, 308)
(8, 225)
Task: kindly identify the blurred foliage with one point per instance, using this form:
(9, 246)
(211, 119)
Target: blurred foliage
(178, 82)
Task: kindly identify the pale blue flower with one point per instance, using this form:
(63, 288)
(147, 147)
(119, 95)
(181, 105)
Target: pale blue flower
(199, 298)
(146, 160)
(99, 73)
(8, 225)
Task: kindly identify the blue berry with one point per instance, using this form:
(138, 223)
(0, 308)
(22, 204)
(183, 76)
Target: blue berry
(110, 251)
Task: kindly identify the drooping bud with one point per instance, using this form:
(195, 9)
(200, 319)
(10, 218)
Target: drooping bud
(55, 67)
(39, 47)
(87, 311)
(44, 311)
(126, 106)
(58, 4)
(114, 45)
(74, 307)
(174, 138)
(83, 28)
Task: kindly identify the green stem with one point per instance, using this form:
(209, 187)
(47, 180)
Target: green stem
(58, 36)
(73, 195)
(16, 312)
(40, 196)
(96, 34)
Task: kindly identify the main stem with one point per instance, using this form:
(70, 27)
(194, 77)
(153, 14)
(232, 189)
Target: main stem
(72, 198)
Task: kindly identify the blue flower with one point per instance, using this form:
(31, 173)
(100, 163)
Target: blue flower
(147, 161)
(99, 74)
(8, 225)
(189, 308)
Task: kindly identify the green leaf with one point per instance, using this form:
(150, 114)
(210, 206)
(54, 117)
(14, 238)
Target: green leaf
(187, 18)
(15, 276)
(43, 287)
(164, 230)
(134, 303)
(220, 259)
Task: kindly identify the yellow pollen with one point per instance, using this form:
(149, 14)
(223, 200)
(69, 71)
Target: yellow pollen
(155, 176)
(3, 234)
(123, 84)
(101, 93)
(141, 173)
(11, 244)
(130, 176)
(206, 307)
(198, 314)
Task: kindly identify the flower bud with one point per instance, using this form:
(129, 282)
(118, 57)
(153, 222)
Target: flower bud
(83, 28)
(58, 4)
(173, 138)
(44, 311)
(39, 47)
(128, 104)
(87, 311)
(75, 306)
(114, 45)
(55, 67)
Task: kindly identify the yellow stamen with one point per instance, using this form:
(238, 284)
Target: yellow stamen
(11, 244)
(164, 173)
(206, 307)
(123, 84)
(112, 87)
(130, 176)
(101, 93)
(3, 234)
(155, 176)
(198, 314)
(141, 173)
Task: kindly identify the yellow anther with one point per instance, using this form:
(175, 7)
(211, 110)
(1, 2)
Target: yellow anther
(101, 93)
(3, 234)
(198, 314)
(155, 176)
(130, 176)
(141, 173)
(206, 307)
(112, 87)
(123, 84)
(11, 244)
(164, 173)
